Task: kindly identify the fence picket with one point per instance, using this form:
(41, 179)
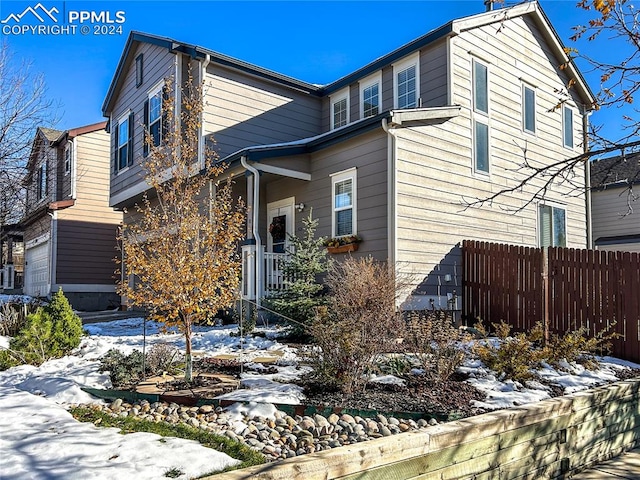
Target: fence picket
(589, 288)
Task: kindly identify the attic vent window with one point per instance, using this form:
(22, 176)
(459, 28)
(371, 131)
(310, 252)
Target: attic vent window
(139, 69)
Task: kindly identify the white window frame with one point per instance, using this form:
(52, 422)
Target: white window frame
(480, 116)
(366, 83)
(401, 66)
(525, 87)
(155, 92)
(553, 206)
(336, 178)
(123, 118)
(566, 108)
(68, 158)
(337, 98)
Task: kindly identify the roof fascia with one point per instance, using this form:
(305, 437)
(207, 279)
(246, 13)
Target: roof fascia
(431, 37)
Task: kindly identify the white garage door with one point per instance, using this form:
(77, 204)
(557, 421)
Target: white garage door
(37, 270)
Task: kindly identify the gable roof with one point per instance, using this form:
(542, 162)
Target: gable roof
(615, 171)
(451, 28)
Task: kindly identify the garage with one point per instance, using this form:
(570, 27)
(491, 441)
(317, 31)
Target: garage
(37, 270)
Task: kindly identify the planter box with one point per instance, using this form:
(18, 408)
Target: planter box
(350, 247)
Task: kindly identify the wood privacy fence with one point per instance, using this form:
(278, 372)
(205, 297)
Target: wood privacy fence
(564, 288)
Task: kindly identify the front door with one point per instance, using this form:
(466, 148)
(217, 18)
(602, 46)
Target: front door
(280, 220)
(280, 227)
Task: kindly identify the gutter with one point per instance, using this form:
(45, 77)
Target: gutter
(254, 227)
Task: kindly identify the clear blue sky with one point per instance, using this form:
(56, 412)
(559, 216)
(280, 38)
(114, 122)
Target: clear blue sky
(317, 42)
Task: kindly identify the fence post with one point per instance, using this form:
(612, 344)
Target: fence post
(545, 292)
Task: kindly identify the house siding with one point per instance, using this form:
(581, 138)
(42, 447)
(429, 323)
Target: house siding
(368, 154)
(242, 111)
(609, 211)
(159, 64)
(435, 170)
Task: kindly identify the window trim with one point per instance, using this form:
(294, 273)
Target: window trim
(475, 146)
(127, 116)
(41, 181)
(336, 98)
(480, 116)
(365, 83)
(474, 62)
(567, 108)
(553, 206)
(157, 90)
(401, 66)
(349, 174)
(525, 87)
(68, 158)
(139, 69)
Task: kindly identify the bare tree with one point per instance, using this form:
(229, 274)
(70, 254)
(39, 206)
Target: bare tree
(23, 107)
(182, 246)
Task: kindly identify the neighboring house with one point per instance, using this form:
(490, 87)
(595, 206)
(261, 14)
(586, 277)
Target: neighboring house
(390, 152)
(615, 205)
(69, 228)
(11, 259)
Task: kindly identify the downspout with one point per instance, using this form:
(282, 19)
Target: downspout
(255, 229)
(53, 250)
(587, 177)
(391, 192)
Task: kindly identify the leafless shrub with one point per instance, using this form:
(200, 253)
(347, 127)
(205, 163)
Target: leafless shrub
(13, 317)
(434, 340)
(160, 357)
(360, 323)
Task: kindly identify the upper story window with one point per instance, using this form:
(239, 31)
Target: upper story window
(480, 114)
(343, 186)
(370, 96)
(406, 85)
(68, 157)
(153, 118)
(528, 109)
(41, 181)
(552, 226)
(124, 142)
(340, 109)
(480, 87)
(567, 126)
(139, 69)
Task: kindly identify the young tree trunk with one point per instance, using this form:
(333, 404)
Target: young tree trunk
(188, 369)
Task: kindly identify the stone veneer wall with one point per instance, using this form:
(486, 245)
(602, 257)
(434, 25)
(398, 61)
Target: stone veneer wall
(549, 439)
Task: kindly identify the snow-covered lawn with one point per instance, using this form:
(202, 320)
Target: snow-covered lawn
(40, 440)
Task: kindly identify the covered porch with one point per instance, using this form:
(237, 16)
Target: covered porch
(274, 190)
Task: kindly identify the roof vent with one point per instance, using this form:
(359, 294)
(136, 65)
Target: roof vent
(488, 4)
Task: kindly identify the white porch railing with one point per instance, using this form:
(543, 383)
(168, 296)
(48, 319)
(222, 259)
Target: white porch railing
(272, 278)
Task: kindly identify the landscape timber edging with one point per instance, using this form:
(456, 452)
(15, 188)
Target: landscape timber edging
(547, 439)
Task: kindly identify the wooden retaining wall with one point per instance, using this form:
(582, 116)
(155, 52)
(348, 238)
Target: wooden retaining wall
(548, 439)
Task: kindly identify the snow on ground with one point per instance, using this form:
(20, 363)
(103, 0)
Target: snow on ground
(33, 402)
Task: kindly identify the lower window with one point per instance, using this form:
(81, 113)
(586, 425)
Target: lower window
(552, 226)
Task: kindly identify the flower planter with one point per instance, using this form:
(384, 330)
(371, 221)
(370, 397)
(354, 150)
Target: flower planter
(349, 247)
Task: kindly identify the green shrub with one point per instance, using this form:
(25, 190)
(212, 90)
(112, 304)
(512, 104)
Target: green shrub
(124, 370)
(66, 328)
(302, 293)
(514, 356)
(49, 332)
